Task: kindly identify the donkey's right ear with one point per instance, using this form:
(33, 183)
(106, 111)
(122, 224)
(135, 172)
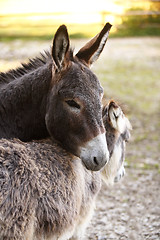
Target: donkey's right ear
(92, 50)
(60, 47)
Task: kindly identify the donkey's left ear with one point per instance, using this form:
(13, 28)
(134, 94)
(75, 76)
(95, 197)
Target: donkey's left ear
(60, 47)
(91, 51)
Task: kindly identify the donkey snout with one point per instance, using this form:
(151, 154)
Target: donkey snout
(95, 153)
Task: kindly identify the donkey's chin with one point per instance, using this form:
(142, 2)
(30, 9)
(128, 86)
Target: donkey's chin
(95, 153)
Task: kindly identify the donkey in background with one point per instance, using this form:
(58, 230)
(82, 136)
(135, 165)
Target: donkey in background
(58, 95)
(118, 129)
(46, 192)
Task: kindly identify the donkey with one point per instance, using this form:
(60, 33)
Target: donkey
(118, 130)
(46, 192)
(57, 95)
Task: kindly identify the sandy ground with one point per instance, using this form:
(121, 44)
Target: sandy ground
(129, 210)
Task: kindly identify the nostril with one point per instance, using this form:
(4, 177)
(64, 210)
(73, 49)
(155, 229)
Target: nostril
(95, 160)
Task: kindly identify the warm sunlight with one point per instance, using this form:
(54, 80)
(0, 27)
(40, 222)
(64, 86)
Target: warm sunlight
(73, 11)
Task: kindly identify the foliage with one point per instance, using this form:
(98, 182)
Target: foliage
(140, 25)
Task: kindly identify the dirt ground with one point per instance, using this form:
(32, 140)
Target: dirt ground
(129, 210)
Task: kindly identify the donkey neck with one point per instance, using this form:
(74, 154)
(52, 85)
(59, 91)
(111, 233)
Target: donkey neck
(23, 103)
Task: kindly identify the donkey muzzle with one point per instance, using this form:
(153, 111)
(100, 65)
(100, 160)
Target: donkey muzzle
(95, 153)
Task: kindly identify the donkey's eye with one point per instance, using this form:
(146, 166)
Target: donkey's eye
(73, 104)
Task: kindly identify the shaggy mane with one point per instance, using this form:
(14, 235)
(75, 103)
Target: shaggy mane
(25, 68)
(6, 77)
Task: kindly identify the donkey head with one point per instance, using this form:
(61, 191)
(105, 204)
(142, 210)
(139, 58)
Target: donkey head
(74, 113)
(117, 133)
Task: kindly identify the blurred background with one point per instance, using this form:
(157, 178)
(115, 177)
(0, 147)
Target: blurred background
(129, 71)
(32, 19)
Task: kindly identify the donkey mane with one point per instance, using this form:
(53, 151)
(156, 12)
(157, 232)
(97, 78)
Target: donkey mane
(6, 77)
(25, 68)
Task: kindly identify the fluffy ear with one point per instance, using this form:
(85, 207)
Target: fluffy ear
(117, 118)
(60, 46)
(91, 51)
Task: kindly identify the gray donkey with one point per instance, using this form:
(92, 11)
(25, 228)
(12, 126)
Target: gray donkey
(47, 193)
(57, 95)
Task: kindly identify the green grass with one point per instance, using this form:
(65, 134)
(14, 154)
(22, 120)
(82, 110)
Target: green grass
(30, 28)
(134, 84)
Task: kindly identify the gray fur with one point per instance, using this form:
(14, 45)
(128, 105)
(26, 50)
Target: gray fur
(45, 192)
(41, 190)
